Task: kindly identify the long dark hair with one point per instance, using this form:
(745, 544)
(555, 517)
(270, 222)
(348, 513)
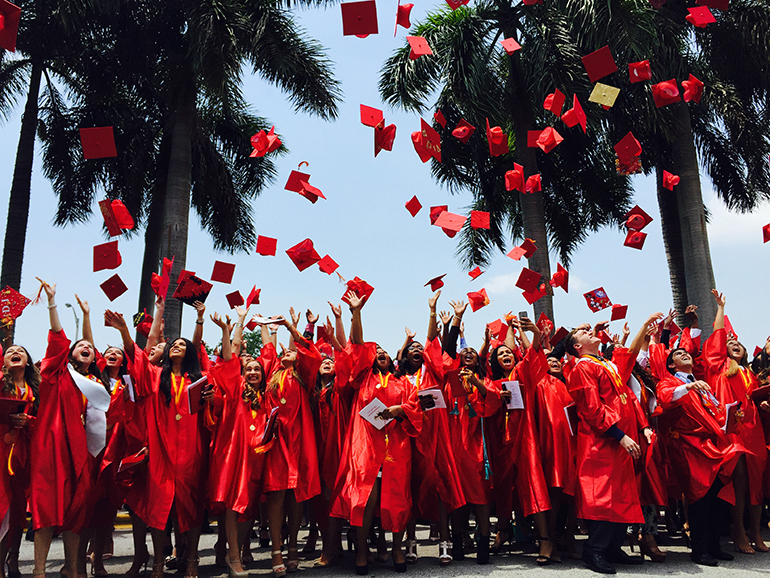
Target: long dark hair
(403, 360)
(31, 378)
(122, 370)
(481, 370)
(93, 369)
(391, 366)
(190, 365)
(497, 371)
(761, 365)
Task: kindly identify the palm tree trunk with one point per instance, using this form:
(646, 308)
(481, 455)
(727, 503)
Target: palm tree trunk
(698, 271)
(672, 241)
(176, 209)
(532, 208)
(18, 204)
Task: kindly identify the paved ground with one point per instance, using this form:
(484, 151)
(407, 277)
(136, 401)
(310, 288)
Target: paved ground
(678, 562)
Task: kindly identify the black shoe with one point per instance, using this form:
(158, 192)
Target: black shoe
(704, 559)
(482, 549)
(458, 548)
(597, 563)
(362, 570)
(716, 554)
(620, 557)
(399, 567)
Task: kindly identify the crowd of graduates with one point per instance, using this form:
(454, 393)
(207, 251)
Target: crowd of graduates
(593, 434)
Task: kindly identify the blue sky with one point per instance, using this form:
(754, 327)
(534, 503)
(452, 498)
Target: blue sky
(364, 226)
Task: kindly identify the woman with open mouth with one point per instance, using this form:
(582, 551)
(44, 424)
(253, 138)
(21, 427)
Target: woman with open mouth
(20, 381)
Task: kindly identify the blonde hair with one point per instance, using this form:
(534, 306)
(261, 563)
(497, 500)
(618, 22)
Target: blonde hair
(276, 378)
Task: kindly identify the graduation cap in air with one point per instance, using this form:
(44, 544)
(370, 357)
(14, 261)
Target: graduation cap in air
(300, 183)
(419, 47)
(359, 18)
(114, 287)
(535, 294)
(435, 212)
(510, 45)
(160, 283)
(628, 148)
(10, 14)
(190, 288)
(253, 298)
(427, 142)
(597, 299)
(402, 16)
(575, 115)
(478, 299)
(528, 280)
(693, 89)
(497, 139)
(106, 256)
(534, 184)
(303, 255)
(439, 117)
(450, 221)
(560, 278)
(264, 143)
(480, 219)
(549, 139)
(604, 94)
(599, 64)
(636, 219)
(639, 71)
(700, 16)
(554, 102)
(328, 265)
(223, 272)
(361, 288)
(670, 180)
(463, 131)
(234, 299)
(635, 239)
(116, 216)
(665, 93)
(514, 179)
(436, 283)
(266, 245)
(413, 206)
(12, 304)
(474, 273)
(98, 142)
(618, 312)
(766, 233)
(143, 322)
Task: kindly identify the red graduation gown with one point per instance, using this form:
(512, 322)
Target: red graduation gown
(239, 430)
(434, 474)
(368, 450)
(178, 452)
(516, 450)
(466, 426)
(292, 463)
(606, 482)
(698, 449)
(62, 469)
(738, 388)
(14, 468)
(557, 443)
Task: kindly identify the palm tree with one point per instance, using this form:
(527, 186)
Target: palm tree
(477, 81)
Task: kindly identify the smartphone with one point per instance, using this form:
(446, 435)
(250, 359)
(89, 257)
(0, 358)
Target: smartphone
(523, 315)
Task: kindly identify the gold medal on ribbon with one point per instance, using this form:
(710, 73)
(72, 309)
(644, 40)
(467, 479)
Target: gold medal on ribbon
(283, 400)
(178, 416)
(252, 427)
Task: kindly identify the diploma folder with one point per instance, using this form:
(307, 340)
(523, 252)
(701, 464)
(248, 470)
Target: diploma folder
(195, 395)
(133, 461)
(10, 406)
(269, 432)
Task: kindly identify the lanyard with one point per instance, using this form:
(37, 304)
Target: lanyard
(177, 390)
(746, 379)
(612, 372)
(417, 376)
(383, 382)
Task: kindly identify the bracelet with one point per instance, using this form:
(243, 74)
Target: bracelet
(199, 322)
(52, 306)
(432, 313)
(273, 333)
(238, 325)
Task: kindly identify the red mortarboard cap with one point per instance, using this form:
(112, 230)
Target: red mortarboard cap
(549, 139)
(700, 16)
(143, 323)
(114, 287)
(402, 16)
(266, 245)
(419, 47)
(628, 148)
(636, 219)
(435, 212)
(532, 296)
(384, 136)
(223, 272)
(693, 89)
(160, 283)
(359, 18)
(12, 303)
(635, 239)
(234, 299)
(498, 329)
(658, 4)
(477, 271)
(575, 115)
(532, 136)
(303, 255)
(670, 180)
(253, 298)
(544, 324)
(419, 146)
(554, 102)
(190, 288)
(439, 116)
(560, 278)
(107, 256)
(533, 184)
(455, 4)
(478, 299)
(757, 350)
(451, 221)
(264, 143)
(510, 45)
(532, 2)
(729, 328)
(98, 142)
(183, 274)
(766, 233)
(328, 265)
(665, 93)
(497, 139)
(597, 299)
(718, 4)
(463, 131)
(361, 288)
(9, 25)
(639, 71)
(516, 253)
(479, 219)
(116, 216)
(529, 247)
(427, 142)
(300, 183)
(528, 280)
(514, 180)
(599, 64)
(436, 283)
(618, 312)
(604, 337)
(560, 334)
(413, 206)
(371, 116)
(251, 325)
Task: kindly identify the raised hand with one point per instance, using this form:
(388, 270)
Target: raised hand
(310, 317)
(459, 307)
(354, 300)
(434, 299)
(83, 305)
(219, 322)
(50, 290)
(200, 307)
(112, 319)
(719, 297)
(294, 317)
(336, 309)
(409, 334)
(626, 330)
(669, 318)
(242, 313)
(445, 317)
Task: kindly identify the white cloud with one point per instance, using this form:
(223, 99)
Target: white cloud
(731, 228)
